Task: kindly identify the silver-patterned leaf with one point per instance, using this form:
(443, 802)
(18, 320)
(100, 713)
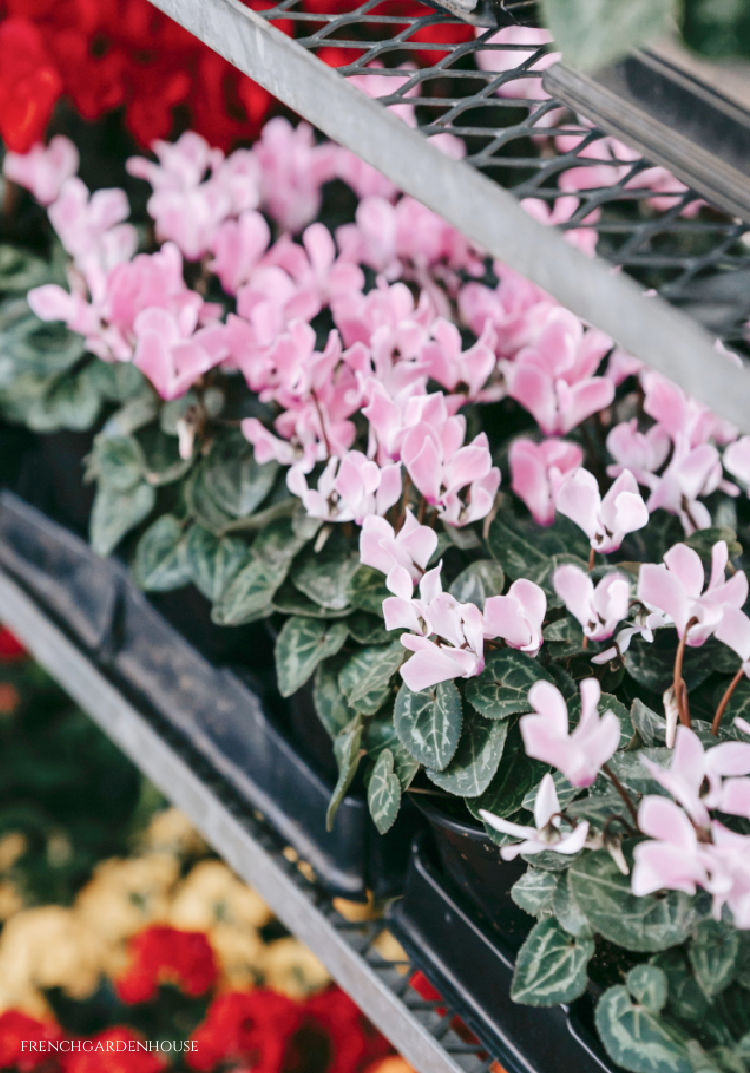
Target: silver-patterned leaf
(428, 723)
(551, 966)
(301, 645)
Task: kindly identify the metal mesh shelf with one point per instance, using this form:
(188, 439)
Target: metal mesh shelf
(361, 956)
(519, 144)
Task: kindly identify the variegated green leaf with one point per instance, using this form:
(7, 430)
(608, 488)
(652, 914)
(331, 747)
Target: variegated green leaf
(300, 647)
(428, 723)
(551, 966)
(384, 792)
(476, 760)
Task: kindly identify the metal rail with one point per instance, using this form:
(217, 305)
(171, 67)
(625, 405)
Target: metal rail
(646, 326)
(380, 986)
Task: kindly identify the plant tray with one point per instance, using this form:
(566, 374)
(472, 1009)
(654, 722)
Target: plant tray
(471, 965)
(223, 717)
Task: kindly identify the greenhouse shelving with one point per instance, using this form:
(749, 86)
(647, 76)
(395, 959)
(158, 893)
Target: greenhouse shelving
(457, 97)
(349, 949)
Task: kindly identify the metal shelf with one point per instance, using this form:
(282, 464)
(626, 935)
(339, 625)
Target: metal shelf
(504, 163)
(348, 949)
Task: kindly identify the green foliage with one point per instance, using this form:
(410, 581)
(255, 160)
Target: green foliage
(480, 580)
(714, 953)
(249, 595)
(325, 577)
(347, 748)
(366, 677)
(502, 689)
(301, 645)
(384, 792)
(649, 923)
(551, 966)
(636, 1037)
(428, 723)
(211, 561)
(475, 761)
(159, 563)
(534, 891)
(592, 33)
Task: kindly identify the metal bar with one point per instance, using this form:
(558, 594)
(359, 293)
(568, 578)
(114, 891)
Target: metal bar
(488, 215)
(231, 836)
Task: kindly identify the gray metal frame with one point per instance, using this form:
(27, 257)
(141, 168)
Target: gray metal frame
(380, 987)
(646, 326)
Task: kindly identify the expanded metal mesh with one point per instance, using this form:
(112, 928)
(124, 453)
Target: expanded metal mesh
(487, 92)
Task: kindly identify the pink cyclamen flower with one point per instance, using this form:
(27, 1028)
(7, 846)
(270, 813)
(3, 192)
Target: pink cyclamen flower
(519, 51)
(692, 472)
(676, 588)
(172, 353)
(517, 617)
(643, 453)
(598, 608)
(553, 374)
(694, 777)
(681, 415)
(386, 550)
(458, 479)
(44, 169)
(536, 471)
(607, 520)
(90, 225)
(447, 637)
(734, 631)
(728, 865)
(547, 832)
(238, 245)
(349, 488)
(737, 461)
(672, 859)
(578, 755)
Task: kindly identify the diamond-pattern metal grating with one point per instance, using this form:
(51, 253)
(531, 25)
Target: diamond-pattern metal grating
(517, 142)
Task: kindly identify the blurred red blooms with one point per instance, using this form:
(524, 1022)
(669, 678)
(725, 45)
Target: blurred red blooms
(17, 1029)
(11, 649)
(250, 1027)
(125, 53)
(161, 954)
(271, 1033)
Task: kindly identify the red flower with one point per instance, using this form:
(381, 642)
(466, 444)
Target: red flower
(11, 649)
(18, 1034)
(333, 1029)
(251, 1027)
(29, 85)
(164, 955)
(115, 1050)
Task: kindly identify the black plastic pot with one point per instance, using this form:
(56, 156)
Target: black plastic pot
(472, 863)
(15, 443)
(223, 718)
(51, 478)
(471, 965)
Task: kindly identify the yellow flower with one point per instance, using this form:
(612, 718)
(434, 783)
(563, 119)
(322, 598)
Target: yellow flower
(12, 846)
(47, 947)
(289, 967)
(239, 951)
(170, 831)
(124, 896)
(212, 894)
(10, 900)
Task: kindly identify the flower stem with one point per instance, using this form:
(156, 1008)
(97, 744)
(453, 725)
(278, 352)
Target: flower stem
(725, 700)
(633, 812)
(678, 684)
(592, 553)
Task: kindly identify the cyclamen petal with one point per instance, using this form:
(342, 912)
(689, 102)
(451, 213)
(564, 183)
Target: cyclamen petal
(599, 609)
(607, 520)
(578, 755)
(536, 472)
